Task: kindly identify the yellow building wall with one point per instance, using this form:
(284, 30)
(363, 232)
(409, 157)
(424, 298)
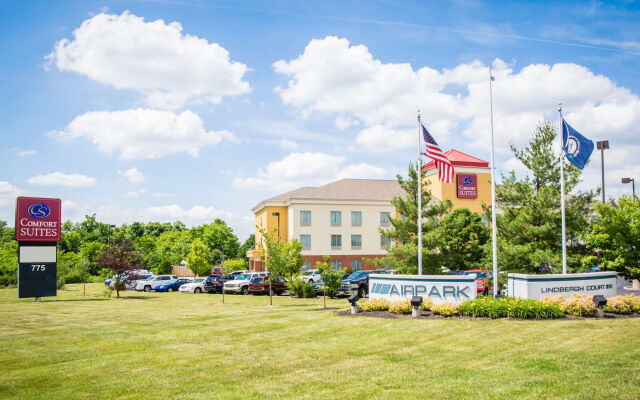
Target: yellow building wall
(449, 191)
(267, 221)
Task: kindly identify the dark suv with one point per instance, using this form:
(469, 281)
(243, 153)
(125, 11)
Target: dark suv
(260, 285)
(358, 282)
(213, 283)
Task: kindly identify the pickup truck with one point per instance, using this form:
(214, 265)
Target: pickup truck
(241, 283)
(482, 283)
(358, 282)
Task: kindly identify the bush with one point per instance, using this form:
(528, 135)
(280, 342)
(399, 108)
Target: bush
(298, 288)
(446, 309)
(375, 305)
(634, 303)
(308, 291)
(485, 307)
(400, 307)
(488, 307)
(580, 305)
(617, 305)
(533, 309)
(557, 300)
(427, 302)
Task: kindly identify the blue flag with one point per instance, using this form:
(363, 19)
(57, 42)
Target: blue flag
(577, 147)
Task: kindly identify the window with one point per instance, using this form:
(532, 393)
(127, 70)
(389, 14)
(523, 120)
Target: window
(336, 264)
(305, 218)
(384, 241)
(356, 265)
(306, 266)
(336, 242)
(336, 218)
(384, 219)
(356, 218)
(356, 242)
(306, 241)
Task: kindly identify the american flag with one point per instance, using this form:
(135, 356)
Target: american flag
(445, 169)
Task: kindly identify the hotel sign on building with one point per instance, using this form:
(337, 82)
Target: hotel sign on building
(467, 186)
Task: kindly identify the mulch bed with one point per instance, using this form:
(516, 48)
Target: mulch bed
(429, 315)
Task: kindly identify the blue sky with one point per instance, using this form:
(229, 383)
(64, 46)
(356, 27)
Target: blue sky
(192, 110)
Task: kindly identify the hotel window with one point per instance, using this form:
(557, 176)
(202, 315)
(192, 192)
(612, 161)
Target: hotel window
(356, 218)
(356, 265)
(384, 241)
(384, 219)
(336, 264)
(356, 242)
(306, 241)
(336, 218)
(306, 266)
(305, 218)
(336, 242)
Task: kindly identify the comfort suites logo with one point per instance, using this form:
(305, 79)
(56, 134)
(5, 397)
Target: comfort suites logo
(467, 186)
(39, 210)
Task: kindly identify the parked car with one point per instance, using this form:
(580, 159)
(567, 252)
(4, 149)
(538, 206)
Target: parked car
(217, 271)
(172, 285)
(310, 276)
(239, 272)
(241, 283)
(358, 282)
(196, 286)
(260, 285)
(214, 283)
(482, 283)
(317, 286)
(150, 283)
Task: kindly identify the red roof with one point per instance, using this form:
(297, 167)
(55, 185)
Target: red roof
(460, 159)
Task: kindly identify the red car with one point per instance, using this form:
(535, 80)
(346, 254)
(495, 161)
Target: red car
(481, 275)
(259, 285)
(217, 271)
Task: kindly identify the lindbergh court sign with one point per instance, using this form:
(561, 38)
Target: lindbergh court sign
(441, 288)
(38, 219)
(548, 285)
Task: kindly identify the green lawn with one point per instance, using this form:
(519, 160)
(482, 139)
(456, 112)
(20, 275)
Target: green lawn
(186, 346)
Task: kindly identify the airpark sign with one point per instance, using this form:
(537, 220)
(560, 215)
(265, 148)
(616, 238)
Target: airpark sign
(440, 288)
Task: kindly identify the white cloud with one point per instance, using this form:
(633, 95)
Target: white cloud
(23, 153)
(8, 194)
(133, 175)
(194, 216)
(135, 193)
(60, 179)
(288, 144)
(306, 169)
(348, 83)
(143, 133)
(167, 67)
(380, 139)
(158, 194)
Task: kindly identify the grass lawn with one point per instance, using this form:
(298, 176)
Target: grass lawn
(190, 346)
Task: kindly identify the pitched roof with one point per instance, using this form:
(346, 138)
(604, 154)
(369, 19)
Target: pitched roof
(344, 189)
(460, 159)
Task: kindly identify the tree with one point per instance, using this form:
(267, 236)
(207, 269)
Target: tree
(246, 246)
(120, 258)
(283, 259)
(331, 278)
(404, 230)
(233, 265)
(465, 237)
(529, 226)
(615, 237)
(198, 259)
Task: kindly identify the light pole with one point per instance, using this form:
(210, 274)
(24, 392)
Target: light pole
(633, 185)
(275, 214)
(602, 146)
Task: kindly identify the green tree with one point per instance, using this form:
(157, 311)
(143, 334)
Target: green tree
(529, 226)
(198, 259)
(283, 259)
(246, 246)
(331, 278)
(234, 265)
(404, 230)
(464, 240)
(615, 237)
(174, 244)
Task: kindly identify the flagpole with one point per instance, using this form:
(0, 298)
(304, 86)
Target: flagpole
(564, 237)
(494, 226)
(419, 197)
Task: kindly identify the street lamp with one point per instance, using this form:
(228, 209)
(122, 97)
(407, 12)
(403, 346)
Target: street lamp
(602, 146)
(110, 226)
(633, 185)
(277, 214)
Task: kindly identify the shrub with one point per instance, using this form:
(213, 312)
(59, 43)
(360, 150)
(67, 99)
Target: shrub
(580, 305)
(634, 302)
(618, 305)
(427, 302)
(308, 291)
(400, 307)
(375, 305)
(488, 307)
(533, 309)
(446, 309)
(557, 300)
(485, 307)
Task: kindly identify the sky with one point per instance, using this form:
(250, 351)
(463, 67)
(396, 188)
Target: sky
(193, 110)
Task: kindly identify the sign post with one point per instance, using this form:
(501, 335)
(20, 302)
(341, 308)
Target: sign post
(38, 224)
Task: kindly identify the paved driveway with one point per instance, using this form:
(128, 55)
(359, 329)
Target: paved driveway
(622, 283)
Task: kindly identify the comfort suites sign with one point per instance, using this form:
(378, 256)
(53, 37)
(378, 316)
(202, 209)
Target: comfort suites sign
(467, 186)
(38, 219)
(441, 288)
